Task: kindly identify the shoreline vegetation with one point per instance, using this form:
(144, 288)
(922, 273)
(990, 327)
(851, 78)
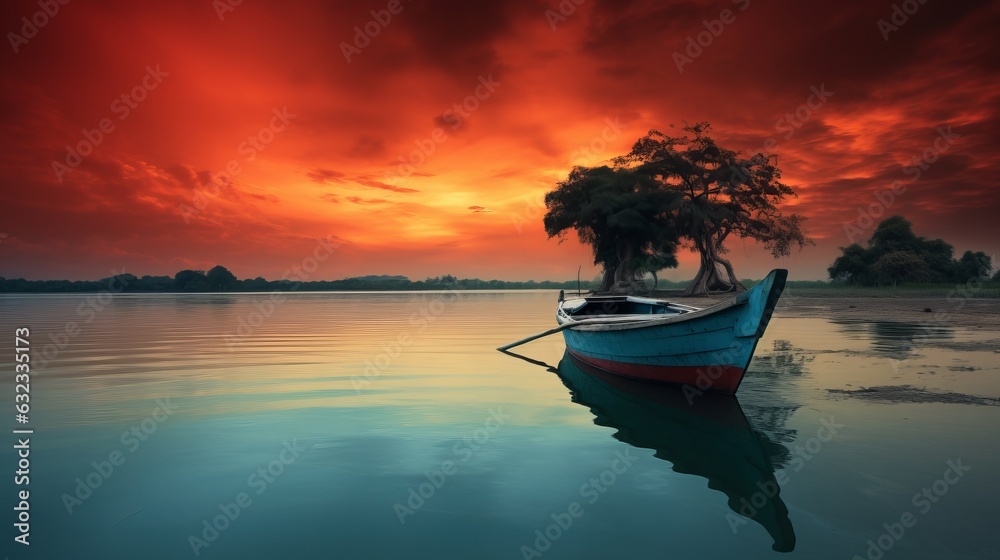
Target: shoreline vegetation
(220, 280)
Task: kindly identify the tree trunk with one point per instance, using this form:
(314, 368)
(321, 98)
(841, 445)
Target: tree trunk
(607, 281)
(733, 280)
(709, 277)
(622, 278)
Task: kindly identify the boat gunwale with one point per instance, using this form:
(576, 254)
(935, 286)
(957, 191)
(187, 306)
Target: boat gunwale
(626, 322)
(629, 322)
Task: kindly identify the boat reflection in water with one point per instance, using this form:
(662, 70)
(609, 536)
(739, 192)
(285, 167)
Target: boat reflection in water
(708, 437)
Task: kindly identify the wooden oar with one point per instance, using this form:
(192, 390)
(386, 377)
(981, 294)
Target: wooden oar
(564, 326)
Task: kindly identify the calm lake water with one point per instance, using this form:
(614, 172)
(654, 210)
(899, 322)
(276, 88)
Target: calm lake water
(387, 426)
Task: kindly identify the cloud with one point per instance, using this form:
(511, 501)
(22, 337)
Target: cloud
(368, 147)
(384, 186)
(359, 200)
(325, 175)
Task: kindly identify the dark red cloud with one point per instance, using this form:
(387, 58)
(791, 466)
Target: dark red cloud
(260, 137)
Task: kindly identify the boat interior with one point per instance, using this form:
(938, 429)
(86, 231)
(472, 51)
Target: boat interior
(604, 306)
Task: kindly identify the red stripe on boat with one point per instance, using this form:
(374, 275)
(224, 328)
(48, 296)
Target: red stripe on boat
(725, 378)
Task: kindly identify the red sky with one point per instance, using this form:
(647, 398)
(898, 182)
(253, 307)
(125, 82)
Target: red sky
(472, 206)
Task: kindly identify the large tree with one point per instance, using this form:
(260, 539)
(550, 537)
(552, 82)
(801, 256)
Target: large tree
(720, 194)
(624, 216)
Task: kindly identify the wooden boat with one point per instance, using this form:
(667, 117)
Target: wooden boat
(709, 437)
(706, 349)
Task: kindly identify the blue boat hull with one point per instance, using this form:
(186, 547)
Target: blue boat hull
(709, 349)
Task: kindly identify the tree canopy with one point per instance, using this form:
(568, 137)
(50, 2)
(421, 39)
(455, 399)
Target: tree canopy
(895, 255)
(672, 191)
(722, 194)
(623, 215)
(220, 279)
(191, 281)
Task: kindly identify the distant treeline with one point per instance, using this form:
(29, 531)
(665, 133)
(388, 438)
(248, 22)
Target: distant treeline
(216, 280)
(219, 279)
